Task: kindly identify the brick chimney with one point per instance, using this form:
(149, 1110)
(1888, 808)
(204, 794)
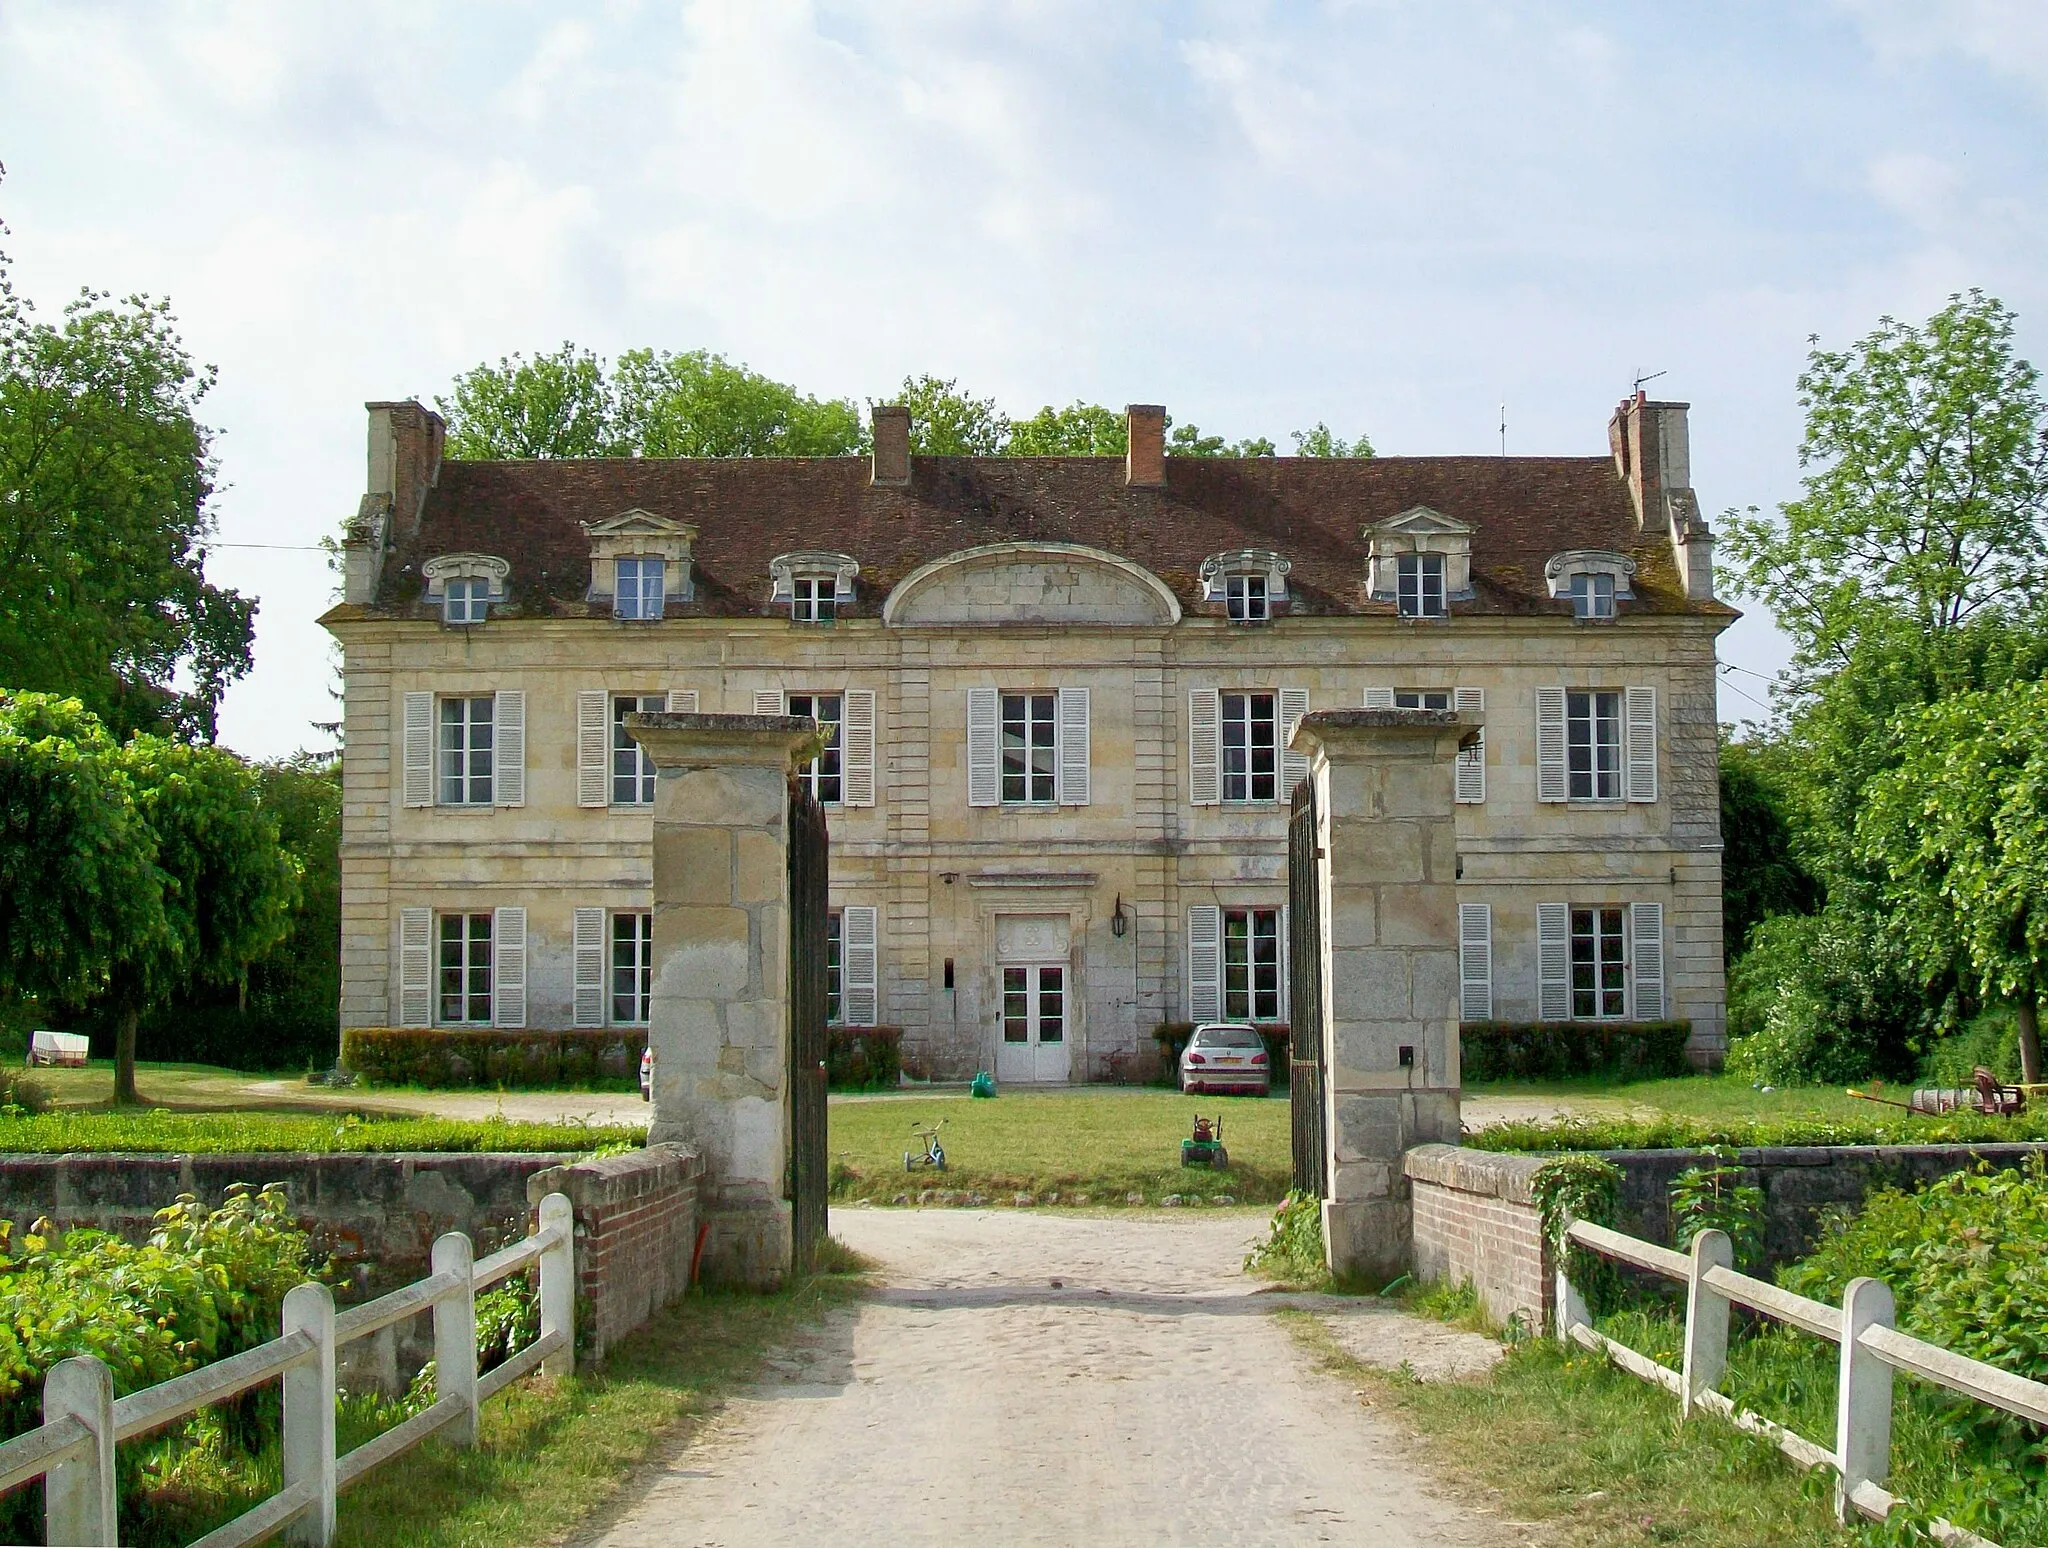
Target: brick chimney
(1652, 447)
(405, 447)
(892, 446)
(1145, 461)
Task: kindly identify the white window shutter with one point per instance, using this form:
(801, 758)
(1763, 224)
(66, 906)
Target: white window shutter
(1286, 968)
(1379, 698)
(508, 748)
(419, 750)
(1073, 757)
(587, 942)
(1475, 962)
(1470, 779)
(1553, 962)
(682, 701)
(416, 966)
(1551, 782)
(1205, 747)
(857, 747)
(1646, 976)
(984, 713)
(593, 747)
(859, 995)
(1641, 720)
(1205, 962)
(768, 701)
(1293, 765)
(508, 967)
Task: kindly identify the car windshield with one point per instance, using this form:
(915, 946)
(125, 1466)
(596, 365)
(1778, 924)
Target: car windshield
(1227, 1037)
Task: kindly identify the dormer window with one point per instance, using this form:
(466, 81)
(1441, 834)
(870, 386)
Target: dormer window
(813, 598)
(1249, 582)
(1592, 580)
(1245, 598)
(465, 585)
(1420, 588)
(817, 586)
(638, 588)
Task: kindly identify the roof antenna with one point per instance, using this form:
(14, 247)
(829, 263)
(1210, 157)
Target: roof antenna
(1503, 429)
(1640, 378)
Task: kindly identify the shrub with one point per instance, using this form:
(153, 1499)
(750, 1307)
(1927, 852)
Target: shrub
(1293, 1249)
(1668, 1131)
(1991, 1038)
(1551, 1050)
(155, 1131)
(863, 1058)
(600, 1058)
(1821, 999)
(1715, 1198)
(1580, 1188)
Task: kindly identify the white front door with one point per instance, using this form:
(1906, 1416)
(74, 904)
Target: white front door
(1033, 1035)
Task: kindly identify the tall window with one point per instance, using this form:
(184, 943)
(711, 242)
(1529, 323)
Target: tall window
(1030, 748)
(1592, 596)
(821, 775)
(1593, 745)
(1245, 595)
(466, 751)
(833, 969)
(1251, 964)
(632, 966)
(632, 769)
(814, 598)
(1251, 747)
(466, 969)
(1422, 698)
(1599, 965)
(465, 601)
(1420, 585)
(639, 591)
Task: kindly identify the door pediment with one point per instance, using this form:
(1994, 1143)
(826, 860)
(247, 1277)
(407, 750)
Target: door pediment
(1030, 583)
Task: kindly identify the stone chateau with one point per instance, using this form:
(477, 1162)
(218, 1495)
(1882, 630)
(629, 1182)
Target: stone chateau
(1060, 694)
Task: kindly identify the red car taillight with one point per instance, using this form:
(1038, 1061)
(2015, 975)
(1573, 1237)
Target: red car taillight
(1195, 1058)
(1259, 1057)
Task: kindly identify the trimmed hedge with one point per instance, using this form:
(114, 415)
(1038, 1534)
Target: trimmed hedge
(1550, 1050)
(595, 1058)
(863, 1058)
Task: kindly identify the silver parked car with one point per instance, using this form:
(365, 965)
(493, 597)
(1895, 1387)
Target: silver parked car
(1225, 1056)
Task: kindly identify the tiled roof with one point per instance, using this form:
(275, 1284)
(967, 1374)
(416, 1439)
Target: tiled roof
(1314, 511)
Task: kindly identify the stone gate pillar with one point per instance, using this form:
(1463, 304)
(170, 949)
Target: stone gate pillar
(719, 1018)
(1383, 784)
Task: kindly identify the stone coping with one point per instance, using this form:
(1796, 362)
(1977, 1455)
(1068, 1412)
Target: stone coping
(676, 739)
(1320, 727)
(1495, 1174)
(616, 1179)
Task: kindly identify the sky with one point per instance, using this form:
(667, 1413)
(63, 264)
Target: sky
(1393, 216)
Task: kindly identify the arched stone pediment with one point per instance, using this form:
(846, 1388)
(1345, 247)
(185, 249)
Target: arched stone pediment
(1030, 583)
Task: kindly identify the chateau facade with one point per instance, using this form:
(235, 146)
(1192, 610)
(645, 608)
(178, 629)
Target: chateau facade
(1060, 693)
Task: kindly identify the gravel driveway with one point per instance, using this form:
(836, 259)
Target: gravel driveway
(1032, 1377)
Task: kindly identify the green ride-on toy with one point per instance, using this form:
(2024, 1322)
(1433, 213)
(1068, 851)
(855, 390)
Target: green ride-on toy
(1205, 1146)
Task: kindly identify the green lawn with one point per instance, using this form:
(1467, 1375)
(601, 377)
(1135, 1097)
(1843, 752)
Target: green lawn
(1720, 1098)
(1102, 1142)
(155, 1130)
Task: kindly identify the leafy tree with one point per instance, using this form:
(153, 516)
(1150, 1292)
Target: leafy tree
(1320, 442)
(1078, 430)
(1925, 490)
(105, 471)
(1760, 873)
(1188, 441)
(1958, 833)
(700, 405)
(558, 405)
(946, 422)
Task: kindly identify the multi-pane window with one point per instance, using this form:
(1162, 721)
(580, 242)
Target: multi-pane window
(465, 968)
(1422, 698)
(465, 600)
(1593, 745)
(466, 751)
(821, 776)
(1245, 596)
(632, 769)
(632, 965)
(1030, 748)
(640, 590)
(834, 969)
(1251, 964)
(1599, 964)
(1419, 581)
(1251, 747)
(1592, 596)
(814, 598)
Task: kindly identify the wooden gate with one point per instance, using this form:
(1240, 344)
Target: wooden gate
(809, 905)
(1305, 992)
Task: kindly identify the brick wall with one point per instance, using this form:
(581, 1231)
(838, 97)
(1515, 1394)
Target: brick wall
(636, 1235)
(1476, 1221)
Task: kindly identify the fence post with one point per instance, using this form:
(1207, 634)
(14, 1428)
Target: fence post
(1863, 1405)
(1706, 1320)
(78, 1496)
(1571, 1306)
(558, 1283)
(309, 1412)
(455, 1335)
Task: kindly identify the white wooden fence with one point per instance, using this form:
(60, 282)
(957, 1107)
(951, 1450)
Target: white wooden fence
(1871, 1348)
(73, 1449)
